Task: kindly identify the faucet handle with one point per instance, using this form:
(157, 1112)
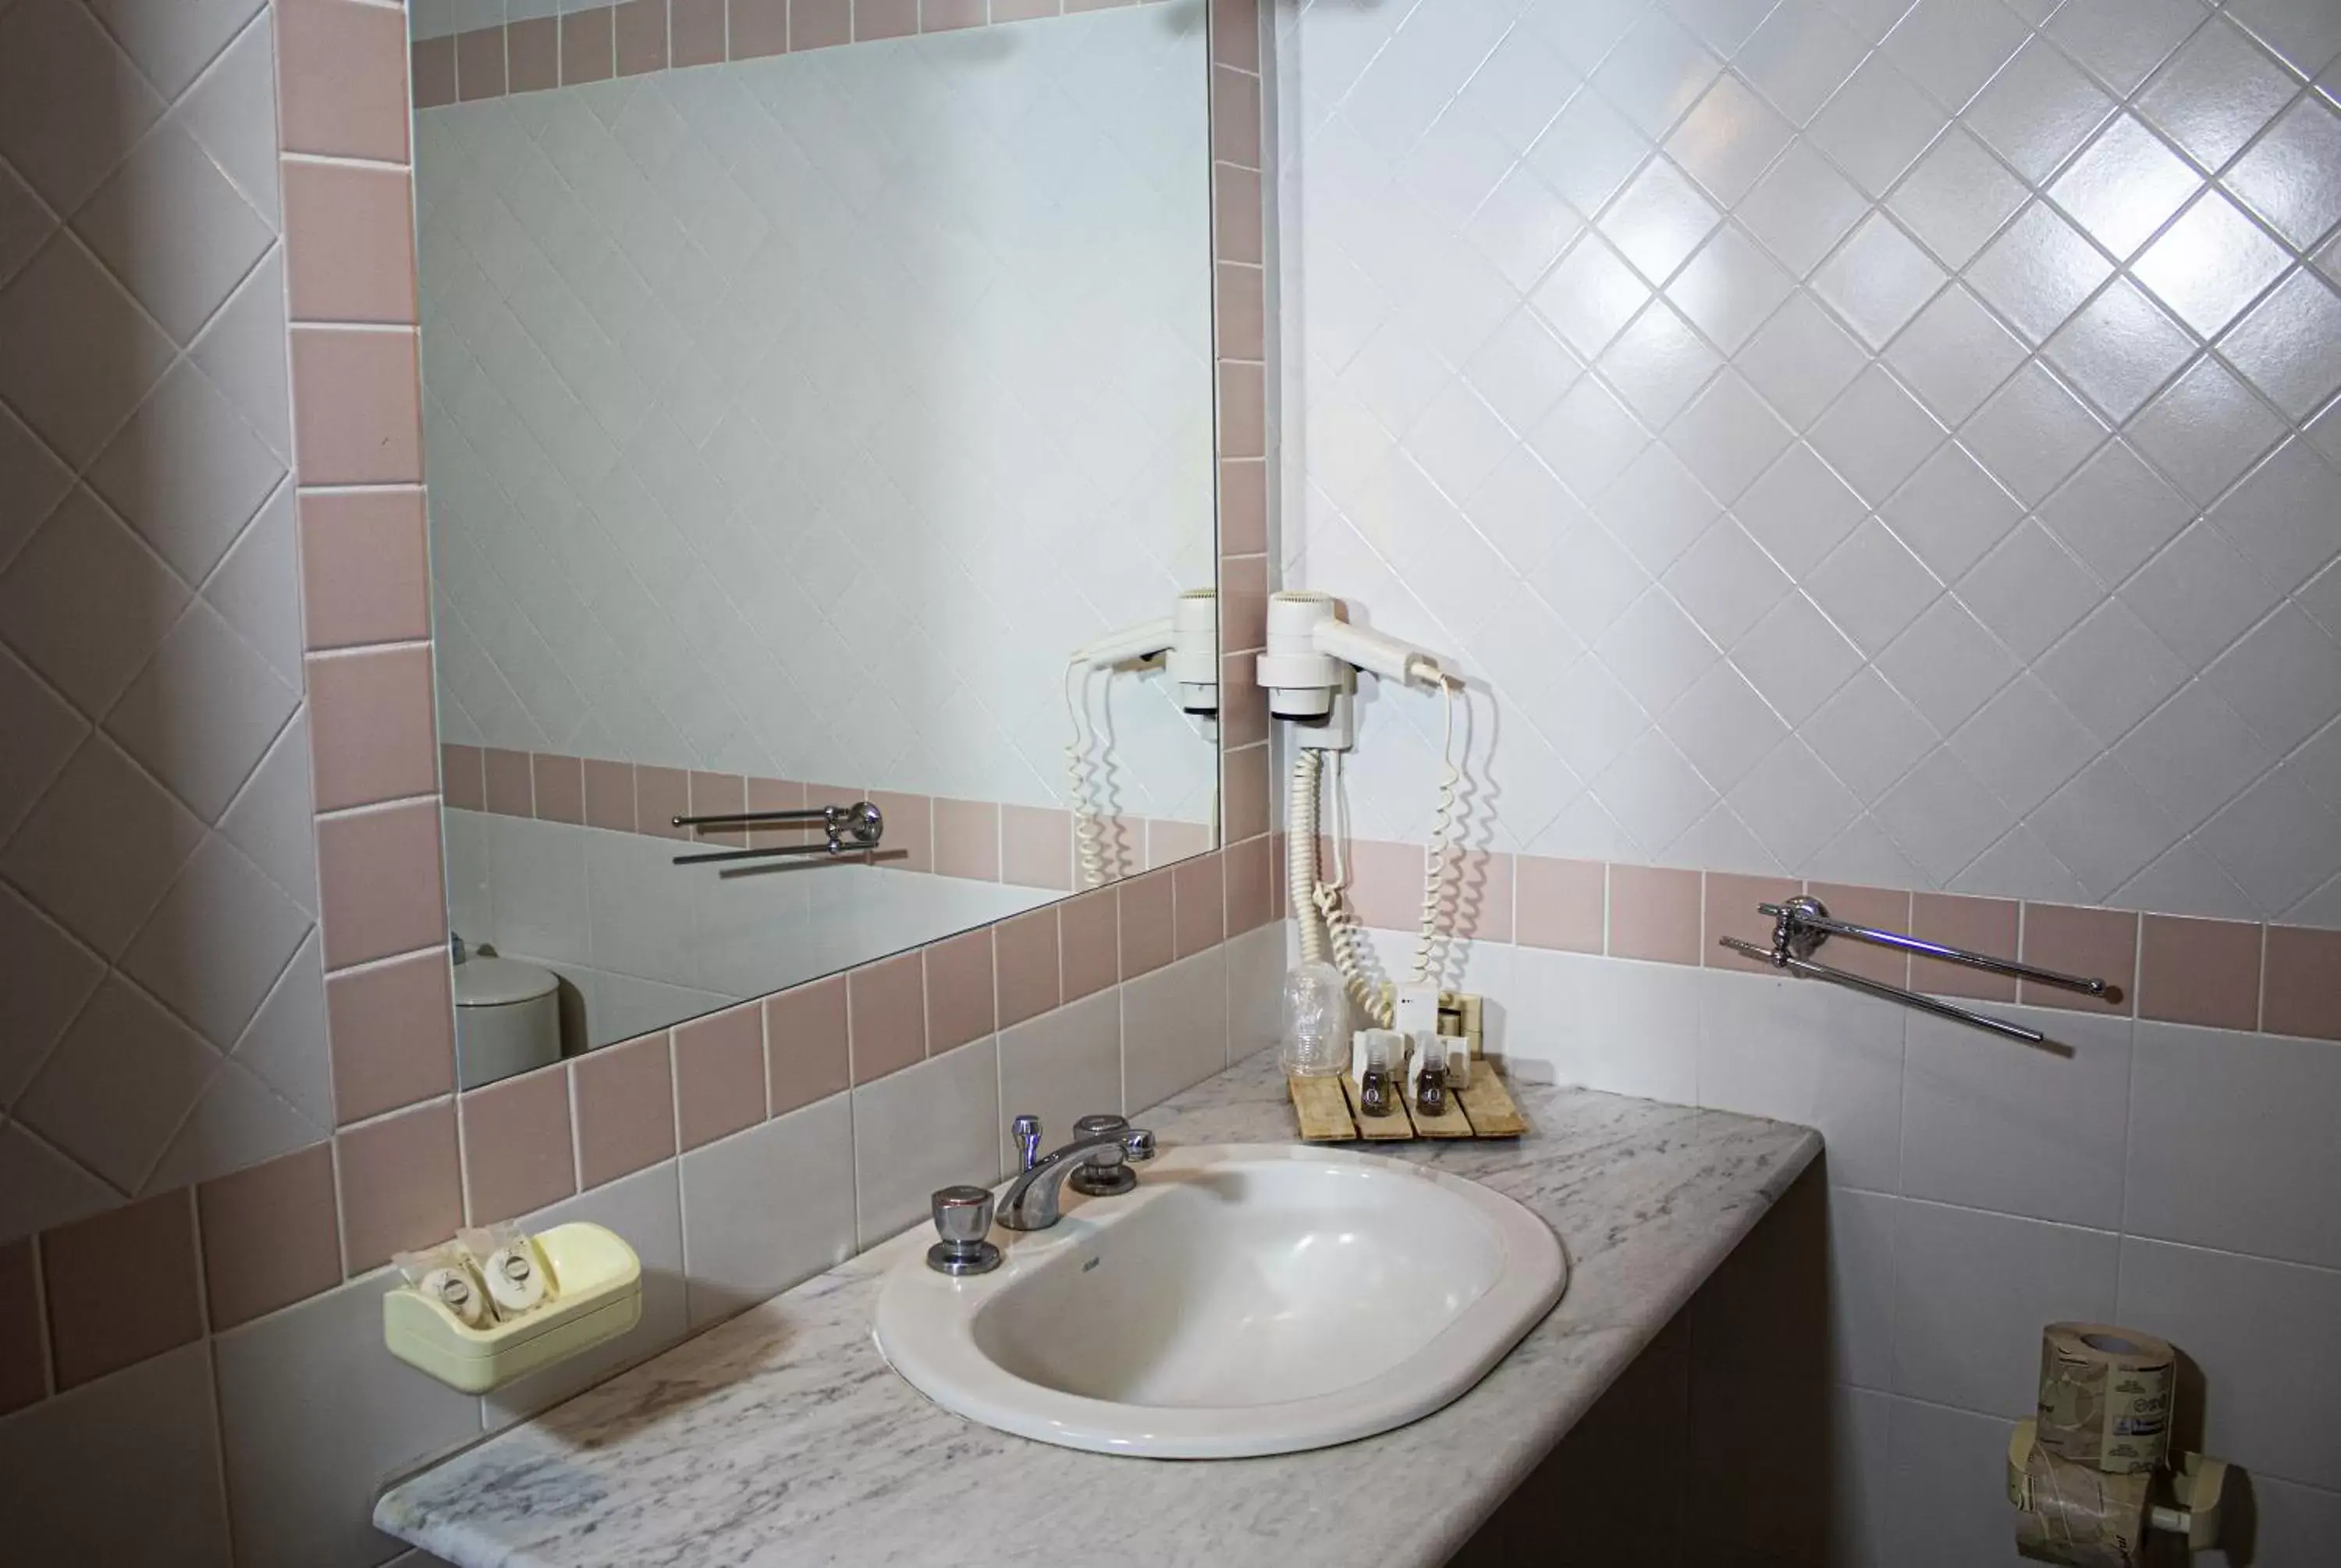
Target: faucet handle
(962, 1216)
(1026, 1130)
(1103, 1173)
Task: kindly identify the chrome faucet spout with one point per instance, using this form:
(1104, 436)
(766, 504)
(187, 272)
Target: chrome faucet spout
(1096, 1162)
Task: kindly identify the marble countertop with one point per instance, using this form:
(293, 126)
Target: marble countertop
(780, 1438)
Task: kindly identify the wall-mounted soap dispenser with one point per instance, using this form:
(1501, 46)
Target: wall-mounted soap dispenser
(581, 1285)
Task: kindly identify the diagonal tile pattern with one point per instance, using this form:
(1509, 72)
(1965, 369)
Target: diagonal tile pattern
(728, 374)
(149, 610)
(1920, 416)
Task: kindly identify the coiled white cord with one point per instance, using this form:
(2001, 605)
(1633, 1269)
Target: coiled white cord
(1328, 932)
(1438, 851)
(1089, 833)
(1301, 854)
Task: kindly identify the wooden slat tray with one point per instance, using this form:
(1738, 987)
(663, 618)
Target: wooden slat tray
(1328, 1111)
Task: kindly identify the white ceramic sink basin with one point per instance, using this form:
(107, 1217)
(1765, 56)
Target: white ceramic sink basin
(1246, 1299)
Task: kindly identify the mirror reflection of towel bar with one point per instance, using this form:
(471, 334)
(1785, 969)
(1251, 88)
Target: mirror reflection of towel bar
(1800, 925)
(854, 829)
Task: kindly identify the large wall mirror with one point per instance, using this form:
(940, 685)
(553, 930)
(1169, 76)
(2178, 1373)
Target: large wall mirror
(818, 430)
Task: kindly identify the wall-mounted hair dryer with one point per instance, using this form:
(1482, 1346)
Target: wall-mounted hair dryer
(1187, 643)
(1187, 640)
(1311, 671)
(1310, 668)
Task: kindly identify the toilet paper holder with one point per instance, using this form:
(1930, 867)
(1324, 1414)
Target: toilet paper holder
(2186, 1500)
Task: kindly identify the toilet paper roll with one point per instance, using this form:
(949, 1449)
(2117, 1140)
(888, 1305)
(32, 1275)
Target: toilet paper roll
(2104, 1396)
(2072, 1513)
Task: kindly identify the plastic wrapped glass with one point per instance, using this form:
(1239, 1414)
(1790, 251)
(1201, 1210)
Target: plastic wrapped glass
(1316, 1022)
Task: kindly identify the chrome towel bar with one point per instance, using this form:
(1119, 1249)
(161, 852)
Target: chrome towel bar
(852, 830)
(1800, 925)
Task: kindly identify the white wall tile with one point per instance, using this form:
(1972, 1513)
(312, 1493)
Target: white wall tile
(1256, 971)
(927, 1127)
(1817, 1054)
(151, 1427)
(1947, 1500)
(773, 1205)
(1971, 1291)
(2022, 1129)
(1174, 1028)
(303, 1471)
(1062, 1067)
(2253, 1327)
(2231, 1145)
(1628, 1029)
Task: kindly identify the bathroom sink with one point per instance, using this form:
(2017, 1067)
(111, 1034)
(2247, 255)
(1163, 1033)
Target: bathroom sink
(1246, 1299)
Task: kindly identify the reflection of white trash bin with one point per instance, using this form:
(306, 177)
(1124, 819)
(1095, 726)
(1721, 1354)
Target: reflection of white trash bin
(507, 1020)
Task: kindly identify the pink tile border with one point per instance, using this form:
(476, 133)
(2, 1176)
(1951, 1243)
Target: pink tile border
(402, 1185)
(122, 1286)
(518, 1154)
(1655, 914)
(886, 1005)
(271, 1235)
(719, 1074)
(2204, 972)
(2099, 943)
(391, 1034)
(808, 1054)
(624, 1100)
(962, 1003)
